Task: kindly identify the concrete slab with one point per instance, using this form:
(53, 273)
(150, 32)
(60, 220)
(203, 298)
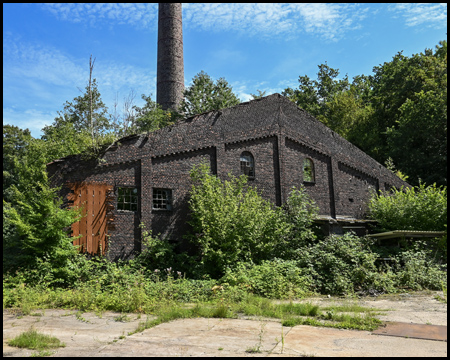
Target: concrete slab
(94, 336)
(314, 341)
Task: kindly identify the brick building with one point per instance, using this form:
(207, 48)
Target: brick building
(145, 177)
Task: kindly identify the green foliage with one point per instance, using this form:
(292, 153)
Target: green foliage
(205, 95)
(87, 114)
(231, 222)
(62, 139)
(421, 208)
(410, 101)
(420, 269)
(35, 225)
(31, 339)
(156, 253)
(339, 264)
(421, 128)
(15, 150)
(260, 95)
(313, 95)
(276, 279)
(151, 116)
(400, 111)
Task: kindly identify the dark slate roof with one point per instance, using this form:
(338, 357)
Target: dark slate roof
(259, 118)
(253, 119)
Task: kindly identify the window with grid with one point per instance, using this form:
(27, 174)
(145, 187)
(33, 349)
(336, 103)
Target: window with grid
(162, 199)
(127, 199)
(308, 170)
(248, 165)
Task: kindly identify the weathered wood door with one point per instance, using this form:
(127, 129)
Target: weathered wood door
(95, 201)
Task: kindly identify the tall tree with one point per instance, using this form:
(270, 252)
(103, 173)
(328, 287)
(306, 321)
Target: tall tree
(86, 114)
(151, 116)
(33, 222)
(205, 95)
(398, 113)
(410, 113)
(313, 95)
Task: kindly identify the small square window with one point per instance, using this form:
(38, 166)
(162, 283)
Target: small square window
(127, 199)
(162, 199)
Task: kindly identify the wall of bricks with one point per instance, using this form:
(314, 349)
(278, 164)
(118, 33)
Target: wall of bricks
(275, 131)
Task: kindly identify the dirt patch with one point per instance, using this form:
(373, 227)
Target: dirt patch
(88, 334)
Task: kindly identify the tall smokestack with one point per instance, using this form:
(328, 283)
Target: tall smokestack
(170, 72)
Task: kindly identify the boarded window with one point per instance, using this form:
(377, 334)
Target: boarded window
(247, 165)
(162, 199)
(127, 199)
(308, 170)
(95, 200)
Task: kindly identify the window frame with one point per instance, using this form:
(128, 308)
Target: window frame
(244, 168)
(167, 201)
(310, 165)
(127, 199)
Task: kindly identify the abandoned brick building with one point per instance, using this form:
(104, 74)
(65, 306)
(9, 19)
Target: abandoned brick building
(145, 177)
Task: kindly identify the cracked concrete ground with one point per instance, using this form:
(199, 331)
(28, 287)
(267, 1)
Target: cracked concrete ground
(91, 335)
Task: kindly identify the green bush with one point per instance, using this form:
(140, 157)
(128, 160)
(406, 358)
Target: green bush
(421, 208)
(232, 223)
(276, 278)
(419, 269)
(339, 264)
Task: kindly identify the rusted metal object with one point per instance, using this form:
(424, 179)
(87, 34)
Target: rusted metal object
(416, 331)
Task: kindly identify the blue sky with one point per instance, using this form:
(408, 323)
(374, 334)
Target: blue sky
(46, 47)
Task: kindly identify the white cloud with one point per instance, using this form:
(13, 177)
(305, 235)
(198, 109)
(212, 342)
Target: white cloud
(140, 15)
(51, 66)
(266, 20)
(329, 21)
(43, 63)
(41, 78)
(416, 14)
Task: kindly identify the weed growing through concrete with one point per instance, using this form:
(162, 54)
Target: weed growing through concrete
(122, 318)
(33, 340)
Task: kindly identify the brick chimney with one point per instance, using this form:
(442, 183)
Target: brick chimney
(170, 71)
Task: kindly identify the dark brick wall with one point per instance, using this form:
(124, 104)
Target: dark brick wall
(321, 189)
(172, 172)
(354, 188)
(277, 133)
(265, 154)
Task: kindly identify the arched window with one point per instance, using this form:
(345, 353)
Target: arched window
(247, 165)
(308, 170)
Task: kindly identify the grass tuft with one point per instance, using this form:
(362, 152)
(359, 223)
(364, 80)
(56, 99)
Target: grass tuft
(33, 340)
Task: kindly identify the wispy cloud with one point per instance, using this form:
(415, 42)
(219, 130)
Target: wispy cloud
(328, 21)
(47, 64)
(43, 78)
(141, 15)
(429, 15)
(52, 66)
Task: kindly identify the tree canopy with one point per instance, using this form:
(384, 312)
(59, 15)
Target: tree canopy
(205, 95)
(398, 113)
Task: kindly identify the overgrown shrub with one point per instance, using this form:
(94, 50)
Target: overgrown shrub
(339, 264)
(231, 222)
(417, 208)
(276, 278)
(419, 269)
